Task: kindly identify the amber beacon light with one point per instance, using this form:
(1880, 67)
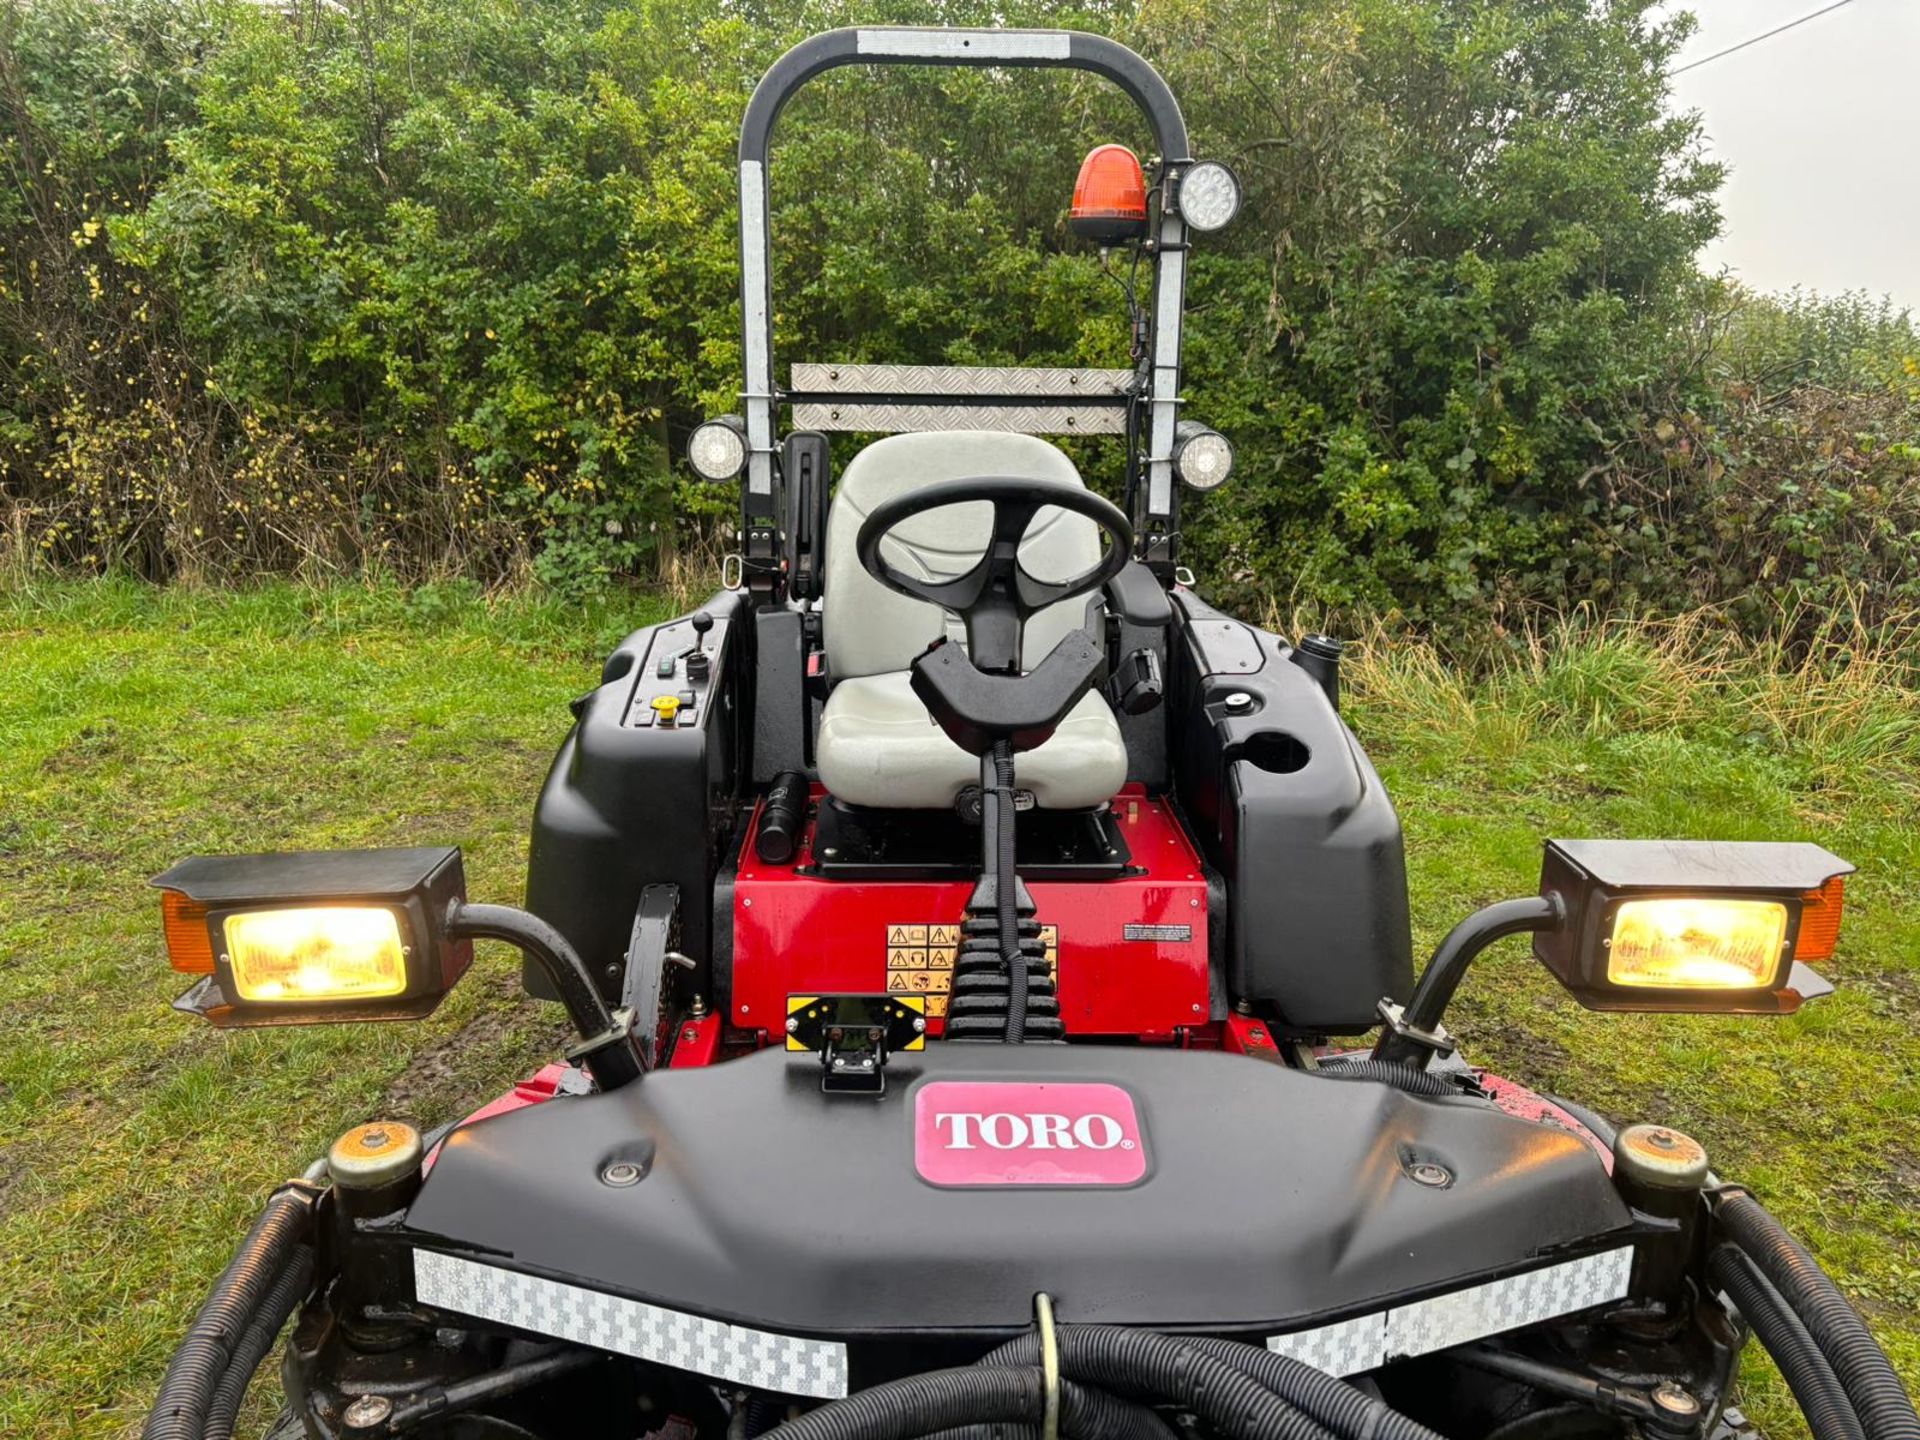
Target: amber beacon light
(1110, 197)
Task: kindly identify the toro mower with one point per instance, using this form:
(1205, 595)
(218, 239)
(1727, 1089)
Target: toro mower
(969, 933)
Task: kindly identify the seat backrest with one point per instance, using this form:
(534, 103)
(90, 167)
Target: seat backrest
(871, 629)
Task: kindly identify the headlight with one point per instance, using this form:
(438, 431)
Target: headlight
(717, 450)
(1209, 196)
(1692, 925)
(303, 937)
(324, 952)
(1697, 943)
(1202, 458)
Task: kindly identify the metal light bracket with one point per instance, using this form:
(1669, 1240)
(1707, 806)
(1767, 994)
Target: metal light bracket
(854, 1035)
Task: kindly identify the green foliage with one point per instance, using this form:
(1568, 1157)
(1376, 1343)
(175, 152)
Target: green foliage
(1471, 228)
(431, 286)
(1790, 488)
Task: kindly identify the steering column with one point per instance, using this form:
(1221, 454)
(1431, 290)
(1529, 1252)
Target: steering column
(989, 707)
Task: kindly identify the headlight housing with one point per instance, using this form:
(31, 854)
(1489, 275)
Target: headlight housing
(308, 937)
(1202, 458)
(1691, 925)
(717, 449)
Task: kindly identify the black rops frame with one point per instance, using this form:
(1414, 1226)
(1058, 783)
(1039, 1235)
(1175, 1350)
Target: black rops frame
(1152, 496)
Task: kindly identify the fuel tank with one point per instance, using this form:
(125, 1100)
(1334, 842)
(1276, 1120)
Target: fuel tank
(1137, 1186)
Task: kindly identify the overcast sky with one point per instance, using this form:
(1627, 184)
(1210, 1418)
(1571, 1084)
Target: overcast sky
(1821, 129)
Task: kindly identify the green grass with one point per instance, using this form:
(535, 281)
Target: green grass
(138, 725)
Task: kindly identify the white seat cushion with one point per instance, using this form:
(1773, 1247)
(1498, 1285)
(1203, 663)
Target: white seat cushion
(879, 747)
(871, 629)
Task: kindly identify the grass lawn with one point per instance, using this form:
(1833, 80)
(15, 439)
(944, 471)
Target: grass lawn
(137, 726)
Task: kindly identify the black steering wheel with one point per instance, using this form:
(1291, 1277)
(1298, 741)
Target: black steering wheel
(996, 596)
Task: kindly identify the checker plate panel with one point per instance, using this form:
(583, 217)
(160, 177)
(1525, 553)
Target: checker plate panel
(1048, 400)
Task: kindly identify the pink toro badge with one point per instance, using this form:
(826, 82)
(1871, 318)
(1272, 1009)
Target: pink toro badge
(968, 1132)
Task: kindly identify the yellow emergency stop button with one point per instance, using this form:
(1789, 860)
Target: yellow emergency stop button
(665, 707)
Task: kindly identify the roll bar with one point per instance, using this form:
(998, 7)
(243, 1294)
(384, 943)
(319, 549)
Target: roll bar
(1151, 481)
(906, 45)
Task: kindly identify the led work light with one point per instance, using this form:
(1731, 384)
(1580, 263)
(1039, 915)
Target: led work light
(1202, 458)
(717, 449)
(1208, 196)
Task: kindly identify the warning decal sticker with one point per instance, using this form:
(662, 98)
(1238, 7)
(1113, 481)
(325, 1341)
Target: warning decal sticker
(920, 959)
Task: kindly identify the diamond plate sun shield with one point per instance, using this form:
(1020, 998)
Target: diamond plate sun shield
(890, 399)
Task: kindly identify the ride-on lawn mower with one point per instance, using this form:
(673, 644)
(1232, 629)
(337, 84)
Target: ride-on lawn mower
(965, 927)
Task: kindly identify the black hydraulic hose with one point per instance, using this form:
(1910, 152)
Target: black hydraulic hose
(1166, 1368)
(181, 1409)
(1879, 1399)
(1401, 1077)
(282, 1299)
(1083, 1411)
(942, 1401)
(1345, 1409)
(1823, 1400)
(1006, 893)
(1095, 1413)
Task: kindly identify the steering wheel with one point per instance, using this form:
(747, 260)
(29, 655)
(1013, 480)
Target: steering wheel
(996, 596)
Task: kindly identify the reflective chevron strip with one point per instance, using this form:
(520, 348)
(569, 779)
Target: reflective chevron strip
(790, 1365)
(1443, 1321)
(785, 1364)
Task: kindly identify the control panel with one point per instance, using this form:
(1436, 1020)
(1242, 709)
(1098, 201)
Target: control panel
(675, 680)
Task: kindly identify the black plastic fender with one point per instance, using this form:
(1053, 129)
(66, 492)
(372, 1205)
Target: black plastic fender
(1269, 1198)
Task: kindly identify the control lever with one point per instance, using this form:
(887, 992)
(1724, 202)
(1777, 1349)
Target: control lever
(699, 662)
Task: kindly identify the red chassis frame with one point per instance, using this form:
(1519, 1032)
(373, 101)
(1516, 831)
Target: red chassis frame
(1131, 951)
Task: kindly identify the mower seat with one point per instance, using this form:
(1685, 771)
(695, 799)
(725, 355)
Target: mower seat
(877, 744)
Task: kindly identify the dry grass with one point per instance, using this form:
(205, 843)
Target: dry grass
(1844, 703)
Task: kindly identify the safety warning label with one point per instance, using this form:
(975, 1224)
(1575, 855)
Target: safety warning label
(920, 960)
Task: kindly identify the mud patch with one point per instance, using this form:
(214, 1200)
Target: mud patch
(12, 1171)
(433, 1087)
(1525, 1056)
(1898, 990)
(95, 744)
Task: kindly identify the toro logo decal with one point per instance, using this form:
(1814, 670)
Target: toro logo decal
(999, 1133)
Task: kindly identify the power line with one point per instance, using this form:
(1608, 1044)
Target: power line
(1755, 40)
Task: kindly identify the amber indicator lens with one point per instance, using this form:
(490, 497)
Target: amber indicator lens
(324, 952)
(1820, 921)
(1697, 943)
(189, 948)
